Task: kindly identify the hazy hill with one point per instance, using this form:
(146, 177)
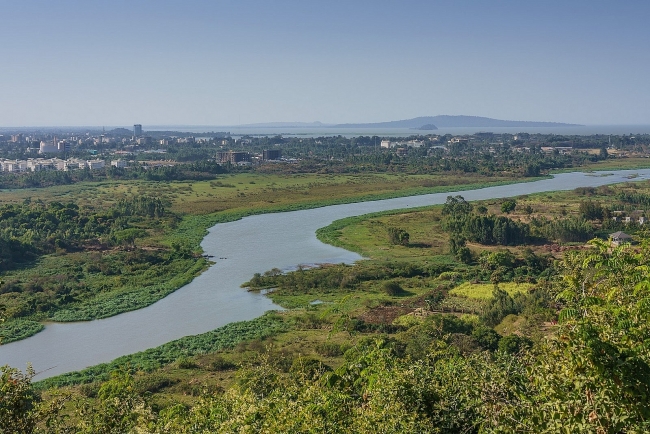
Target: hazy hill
(445, 121)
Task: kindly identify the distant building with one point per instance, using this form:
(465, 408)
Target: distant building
(271, 154)
(95, 164)
(415, 143)
(137, 130)
(562, 150)
(233, 157)
(48, 147)
(617, 238)
(386, 144)
(119, 163)
(144, 140)
(63, 146)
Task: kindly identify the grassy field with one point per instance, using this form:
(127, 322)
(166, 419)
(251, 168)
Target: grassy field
(610, 164)
(197, 206)
(343, 314)
(248, 190)
(483, 291)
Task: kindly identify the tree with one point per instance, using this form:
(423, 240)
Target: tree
(603, 154)
(398, 236)
(508, 206)
(499, 306)
(456, 206)
(590, 210)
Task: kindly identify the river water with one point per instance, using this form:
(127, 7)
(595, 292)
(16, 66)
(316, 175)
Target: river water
(240, 249)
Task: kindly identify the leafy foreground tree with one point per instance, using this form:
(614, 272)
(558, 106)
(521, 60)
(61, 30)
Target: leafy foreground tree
(592, 375)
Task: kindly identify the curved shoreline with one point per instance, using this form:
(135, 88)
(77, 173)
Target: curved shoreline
(213, 299)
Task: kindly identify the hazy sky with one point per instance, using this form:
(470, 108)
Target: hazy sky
(214, 62)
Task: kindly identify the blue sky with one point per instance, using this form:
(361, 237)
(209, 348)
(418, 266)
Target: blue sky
(212, 62)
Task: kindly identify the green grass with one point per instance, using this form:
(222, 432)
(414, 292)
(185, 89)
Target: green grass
(130, 298)
(222, 338)
(609, 164)
(18, 329)
(105, 295)
(483, 291)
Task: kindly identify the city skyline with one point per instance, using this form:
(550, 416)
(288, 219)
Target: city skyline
(232, 63)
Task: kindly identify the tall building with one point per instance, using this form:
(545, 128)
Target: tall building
(137, 130)
(271, 154)
(233, 157)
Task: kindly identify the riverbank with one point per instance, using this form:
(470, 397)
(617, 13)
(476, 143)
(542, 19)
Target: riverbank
(247, 246)
(190, 201)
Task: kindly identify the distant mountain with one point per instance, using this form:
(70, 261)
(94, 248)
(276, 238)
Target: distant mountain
(120, 132)
(445, 121)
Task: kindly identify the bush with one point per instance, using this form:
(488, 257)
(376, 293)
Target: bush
(89, 390)
(152, 383)
(393, 289)
(500, 306)
(329, 349)
(222, 364)
(186, 363)
(486, 337)
(308, 368)
(513, 344)
(398, 236)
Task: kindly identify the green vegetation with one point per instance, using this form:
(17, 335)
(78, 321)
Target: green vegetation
(487, 317)
(69, 263)
(438, 374)
(534, 337)
(146, 361)
(484, 291)
(122, 246)
(18, 329)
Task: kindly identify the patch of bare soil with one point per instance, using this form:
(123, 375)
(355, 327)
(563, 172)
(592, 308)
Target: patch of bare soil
(384, 314)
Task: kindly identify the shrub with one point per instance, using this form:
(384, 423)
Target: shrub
(329, 349)
(398, 236)
(486, 337)
(185, 363)
(152, 383)
(393, 289)
(222, 364)
(513, 344)
(308, 368)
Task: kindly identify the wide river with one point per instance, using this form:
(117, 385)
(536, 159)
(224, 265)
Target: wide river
(240, 249)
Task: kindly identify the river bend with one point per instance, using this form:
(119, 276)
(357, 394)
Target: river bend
(240, 249)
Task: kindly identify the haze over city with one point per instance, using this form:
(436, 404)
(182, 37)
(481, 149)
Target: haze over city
(240, 62)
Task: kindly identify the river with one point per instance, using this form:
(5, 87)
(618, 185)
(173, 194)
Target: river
(240, 249)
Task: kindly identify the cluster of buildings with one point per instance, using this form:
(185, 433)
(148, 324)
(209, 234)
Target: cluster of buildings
(388, 144)
(38, 164)
(634, 217)
(245, 158)
(54, 146)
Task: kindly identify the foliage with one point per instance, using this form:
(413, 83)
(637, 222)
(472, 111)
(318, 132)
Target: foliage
(18, 329)
(148, 360)
(393, 288)
(456, 206)
(566, 230)
(591, 375)
(398, 236)
(480, 228)
(485, 291)
(514, 344)
(590, 210)
(18, 401)
(500, 305)
(508, 206)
